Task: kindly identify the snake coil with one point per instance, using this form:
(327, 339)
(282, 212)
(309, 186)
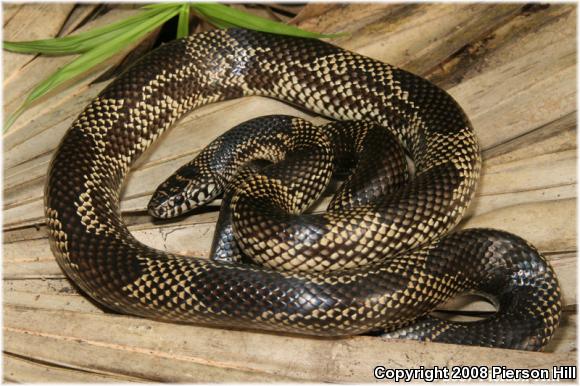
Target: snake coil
(96, 250)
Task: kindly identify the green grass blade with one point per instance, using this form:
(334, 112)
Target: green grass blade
(92, 58)
(61, 47)
(233, 17)
(183, 22)
(97, 45)
(97, 55)
(85, 41)
(13, 117)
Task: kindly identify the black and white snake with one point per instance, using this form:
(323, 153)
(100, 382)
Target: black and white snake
(401, 265)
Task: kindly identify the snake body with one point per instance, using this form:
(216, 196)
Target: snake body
(96, 250)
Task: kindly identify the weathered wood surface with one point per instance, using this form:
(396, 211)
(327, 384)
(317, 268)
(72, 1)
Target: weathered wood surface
(513, 69)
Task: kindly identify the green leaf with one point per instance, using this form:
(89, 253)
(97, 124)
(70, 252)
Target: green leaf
(92, 58)
(85, 41)
(97, 45)
(183, 23)
(73, 45)
(222, 15)
(13, 117)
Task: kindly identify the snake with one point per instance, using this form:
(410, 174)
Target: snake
(391, 263)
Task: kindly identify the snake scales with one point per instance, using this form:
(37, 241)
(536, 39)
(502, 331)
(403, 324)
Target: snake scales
(96, 250)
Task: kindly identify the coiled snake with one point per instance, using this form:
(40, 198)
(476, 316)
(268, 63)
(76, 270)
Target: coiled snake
(96, 250)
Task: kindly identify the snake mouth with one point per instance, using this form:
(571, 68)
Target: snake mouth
(162, 206)
(165, 205)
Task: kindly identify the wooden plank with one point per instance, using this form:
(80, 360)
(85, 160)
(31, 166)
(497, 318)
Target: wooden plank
(78, 16)
(59, 294)
(23, 194)
(31, 22)
(555, 236)
(559, 135)
(230, 354)
(113, 355)
(520, 108)
(34, 119)
(34, 152)
(503, 185)
(564, 265)
(564, 340)
(556, 232)
(20, 370)
(546, 176)
(413, 36)
(72, 303)
(9, 11)
(510, 183)
(61, 286)
(532, 29)
(512, 67)
(195, 234)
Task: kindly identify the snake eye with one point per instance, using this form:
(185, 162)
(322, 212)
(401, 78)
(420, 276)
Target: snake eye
(186, 189)
(178, 199)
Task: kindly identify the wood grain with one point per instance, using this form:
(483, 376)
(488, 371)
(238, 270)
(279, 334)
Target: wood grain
(30, 23)
(227, 354)
(512, 67)
(22, 370)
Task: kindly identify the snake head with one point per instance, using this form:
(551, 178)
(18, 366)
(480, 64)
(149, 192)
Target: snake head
(184, 191)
